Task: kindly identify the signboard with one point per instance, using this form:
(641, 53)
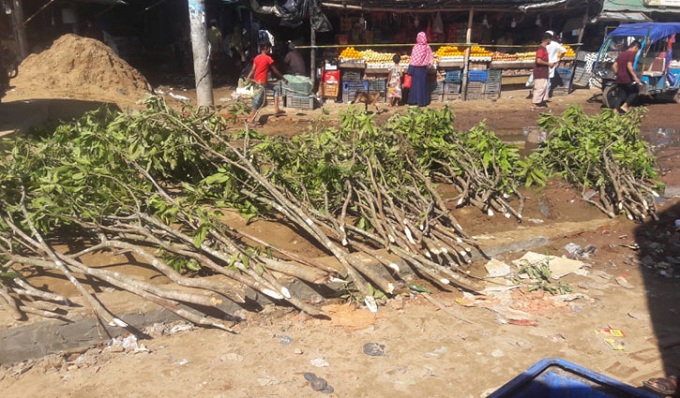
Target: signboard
(662, 3)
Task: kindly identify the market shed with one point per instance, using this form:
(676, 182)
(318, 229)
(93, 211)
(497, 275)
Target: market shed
(480, 44)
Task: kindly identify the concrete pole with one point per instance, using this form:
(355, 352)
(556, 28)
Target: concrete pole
(199, 45)
(466, 60)
(312, 55)
(19, 29)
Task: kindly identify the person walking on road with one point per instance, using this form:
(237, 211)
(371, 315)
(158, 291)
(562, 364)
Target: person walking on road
(541, 74)
(421, 59)
(262, 65)
(626, 79)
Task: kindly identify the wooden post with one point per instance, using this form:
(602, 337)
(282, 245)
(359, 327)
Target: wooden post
(312, 54)
(19, 29)
(199, 45)
(578, 48)
(466, 60)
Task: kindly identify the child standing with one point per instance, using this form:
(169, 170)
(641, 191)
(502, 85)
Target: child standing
(394, 82)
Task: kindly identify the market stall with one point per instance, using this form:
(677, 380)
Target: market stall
(468, 63)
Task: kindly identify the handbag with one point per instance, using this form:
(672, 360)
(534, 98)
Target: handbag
(407, 81)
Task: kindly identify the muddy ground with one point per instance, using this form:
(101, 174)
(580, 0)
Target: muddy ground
(461, 348)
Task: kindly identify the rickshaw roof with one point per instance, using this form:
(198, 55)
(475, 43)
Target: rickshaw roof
(657, 30)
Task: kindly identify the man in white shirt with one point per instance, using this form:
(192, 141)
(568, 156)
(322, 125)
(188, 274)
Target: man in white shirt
(555, 53)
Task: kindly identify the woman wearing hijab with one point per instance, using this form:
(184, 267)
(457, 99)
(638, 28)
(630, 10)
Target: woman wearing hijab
(421, 59)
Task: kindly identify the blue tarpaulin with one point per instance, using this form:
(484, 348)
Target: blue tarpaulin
(657, 30)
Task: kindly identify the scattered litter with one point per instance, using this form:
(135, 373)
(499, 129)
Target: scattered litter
(374, 349)
(535, 220)
(436, 352)
(558, 266)
(126, 342)
(621, 280)
(183, 362)
(589, 195)
(632, 247)
(466, 300)
(497, 353)
(610, 332)
(615, 344)
(319, 362)
(576, 251)
(283, 339)
(556, 338)
(497, 268)
(418, 288)
(178, 97)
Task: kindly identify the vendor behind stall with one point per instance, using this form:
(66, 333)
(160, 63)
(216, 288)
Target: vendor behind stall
(295, 64)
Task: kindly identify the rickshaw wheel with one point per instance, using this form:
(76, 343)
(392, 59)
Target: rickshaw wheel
(611, 97)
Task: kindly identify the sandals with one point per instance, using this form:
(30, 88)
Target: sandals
(662, 385)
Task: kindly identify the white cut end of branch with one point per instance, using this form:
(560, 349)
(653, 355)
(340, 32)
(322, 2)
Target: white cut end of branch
(620, 205)
(395, 267)
(489, 213)
(462, 252)
(285, 292)
(459, 240)
(507, 215)
(655, 194)
(445, 281)
(519, 216)
(460, 202)
(422, 227)
(505, 196)
(444, 250)
(391, 238)
(344, 242)
(118, 322)
(309, 222)
(272, 294)
(336, 280)
(427, 254)
(467, 249)
(390, 288)
(630, 217)
(409, 236)
(342, 228)
(435, 250)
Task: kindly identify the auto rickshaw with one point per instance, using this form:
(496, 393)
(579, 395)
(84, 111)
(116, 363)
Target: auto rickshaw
(657, 63)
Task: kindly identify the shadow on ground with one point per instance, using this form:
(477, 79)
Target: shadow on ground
(25, 114)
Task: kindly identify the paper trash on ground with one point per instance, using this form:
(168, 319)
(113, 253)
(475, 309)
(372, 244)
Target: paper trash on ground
(559, 266)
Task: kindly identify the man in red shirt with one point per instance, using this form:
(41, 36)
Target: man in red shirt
(542, 73)
(262, 64)
(626, 79)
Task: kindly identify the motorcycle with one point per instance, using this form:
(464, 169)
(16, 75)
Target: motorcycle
(655, 64)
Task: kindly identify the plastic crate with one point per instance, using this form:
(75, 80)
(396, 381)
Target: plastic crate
(452, 88)
(351, 76)
(492, 88)
(453, 76)
(330, 90)
(376, 85)
(299, 102)
(471, 96)
(493, 75)
(493, 95)
(352, 85)
(472, 86)
(477, 76)
(557, 378)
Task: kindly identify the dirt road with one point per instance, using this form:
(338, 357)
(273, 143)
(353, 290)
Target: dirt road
(427, 350)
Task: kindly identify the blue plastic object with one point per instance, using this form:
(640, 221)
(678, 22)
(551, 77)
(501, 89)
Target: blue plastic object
(477, 76)
(557, 378)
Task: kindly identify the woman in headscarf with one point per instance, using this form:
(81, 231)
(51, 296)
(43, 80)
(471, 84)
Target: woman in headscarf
(421, 59)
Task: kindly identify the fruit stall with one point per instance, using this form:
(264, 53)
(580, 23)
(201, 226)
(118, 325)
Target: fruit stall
(488, 71)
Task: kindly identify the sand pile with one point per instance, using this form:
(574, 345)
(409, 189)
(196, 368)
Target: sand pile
(81, 68)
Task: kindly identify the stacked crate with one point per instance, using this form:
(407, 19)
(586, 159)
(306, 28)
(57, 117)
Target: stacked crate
(350, 89)
(300, 102)
(378, 86)
(492, 89)
(476, 84)
(565, 76)
(452, 84)
(436, 89)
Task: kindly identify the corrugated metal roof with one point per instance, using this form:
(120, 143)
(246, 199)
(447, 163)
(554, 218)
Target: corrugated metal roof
(429, 5)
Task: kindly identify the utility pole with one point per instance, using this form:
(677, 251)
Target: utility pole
(199, 45)
(19, 29)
